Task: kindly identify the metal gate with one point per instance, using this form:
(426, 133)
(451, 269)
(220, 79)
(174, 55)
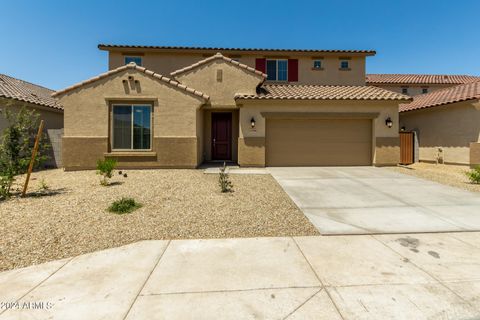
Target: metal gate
(406, 148)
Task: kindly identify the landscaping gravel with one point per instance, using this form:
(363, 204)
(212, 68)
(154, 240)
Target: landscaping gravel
(452, 175)
(72, 217)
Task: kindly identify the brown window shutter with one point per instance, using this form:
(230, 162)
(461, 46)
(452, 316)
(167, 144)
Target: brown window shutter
(292, 70)
(260, 64)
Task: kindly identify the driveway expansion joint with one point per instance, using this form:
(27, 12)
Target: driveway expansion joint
(146, 280)
(318, 278)
(41, 282)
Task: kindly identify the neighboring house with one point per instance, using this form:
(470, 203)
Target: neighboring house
(447, 123)
(15, 94)
(415, 84)
(180, 109)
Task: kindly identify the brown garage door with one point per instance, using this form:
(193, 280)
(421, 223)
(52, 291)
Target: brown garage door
(318, 142)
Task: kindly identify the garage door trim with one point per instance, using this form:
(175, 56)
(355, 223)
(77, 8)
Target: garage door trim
(320, 115)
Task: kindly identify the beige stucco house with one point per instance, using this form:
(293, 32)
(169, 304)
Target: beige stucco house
(447, 124)
(415, 84)
(180, 107)
(16, 94)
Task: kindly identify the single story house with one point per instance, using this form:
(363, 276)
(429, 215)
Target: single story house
(16, 94)
(219, 109)
(447, 124)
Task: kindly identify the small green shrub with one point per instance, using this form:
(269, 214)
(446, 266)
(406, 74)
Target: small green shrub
(16, 145)
(105, 169)
(124, 205)
(42, 185)
(6, 182)
(224, 180)
(474, 175)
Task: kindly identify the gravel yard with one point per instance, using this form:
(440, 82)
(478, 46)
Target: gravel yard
(73, 220)
(451, 175)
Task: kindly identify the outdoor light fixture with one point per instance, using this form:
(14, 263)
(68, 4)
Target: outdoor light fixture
(252, 122)
(389, 122)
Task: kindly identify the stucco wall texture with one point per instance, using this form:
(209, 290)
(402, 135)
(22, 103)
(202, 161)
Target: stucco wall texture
(330, 73)
(181, 122)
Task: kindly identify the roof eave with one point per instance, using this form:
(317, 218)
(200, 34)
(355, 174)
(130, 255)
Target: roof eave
(126, 48)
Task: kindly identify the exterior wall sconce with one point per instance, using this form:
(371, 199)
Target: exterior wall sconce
(389, 122)
(252, 122)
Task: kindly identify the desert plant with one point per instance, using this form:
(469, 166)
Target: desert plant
(124, 205)
(42, 185)
(474, 175)
(105, 169)
(16, 145)
(224, 180)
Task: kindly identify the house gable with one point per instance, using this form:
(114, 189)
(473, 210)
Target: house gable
(87, 105)
(222, 78)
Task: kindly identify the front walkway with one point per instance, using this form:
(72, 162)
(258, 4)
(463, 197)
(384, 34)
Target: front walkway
(422, 276)
(369, 200)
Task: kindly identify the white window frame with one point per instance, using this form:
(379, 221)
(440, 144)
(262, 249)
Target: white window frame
(276, 68)
(131, 131)
(137, 57)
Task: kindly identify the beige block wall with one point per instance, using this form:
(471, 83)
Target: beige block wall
(474, 154)
(83, 152)
(165, 63)
(174, 119)
(387, 151)
(387, 146)
(452, 128)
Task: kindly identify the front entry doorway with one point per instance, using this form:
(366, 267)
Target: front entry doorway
(222, 136)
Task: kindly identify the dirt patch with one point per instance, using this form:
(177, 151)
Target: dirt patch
(71, 218)
(452, 175)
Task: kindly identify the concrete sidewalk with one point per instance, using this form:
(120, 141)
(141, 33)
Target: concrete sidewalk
(369, 200)
(421, 276)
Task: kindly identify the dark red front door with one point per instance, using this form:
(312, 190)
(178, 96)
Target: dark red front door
(221, 136)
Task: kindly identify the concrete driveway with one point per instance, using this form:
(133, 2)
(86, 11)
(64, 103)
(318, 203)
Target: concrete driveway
(369, 200)
(429, 276)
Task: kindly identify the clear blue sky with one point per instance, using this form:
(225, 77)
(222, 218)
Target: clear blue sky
(54, 43)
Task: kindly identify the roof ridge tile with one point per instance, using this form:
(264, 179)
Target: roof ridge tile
(133, 66)
(218, 55)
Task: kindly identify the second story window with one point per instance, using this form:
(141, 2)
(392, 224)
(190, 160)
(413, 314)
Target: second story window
(424, 90)
(405, 90)
(344, 64)
(277, 70)
(317, 64)
(136, 60)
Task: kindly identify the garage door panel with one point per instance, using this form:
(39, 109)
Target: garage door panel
(301, 142)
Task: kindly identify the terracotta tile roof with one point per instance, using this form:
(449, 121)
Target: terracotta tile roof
(419, 79)
(319, 92)
(173, 48)
(218, 55)
(20, 90)
(463, 92)
(132, 65)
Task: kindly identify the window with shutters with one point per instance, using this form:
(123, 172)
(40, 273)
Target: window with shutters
(277, 69)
